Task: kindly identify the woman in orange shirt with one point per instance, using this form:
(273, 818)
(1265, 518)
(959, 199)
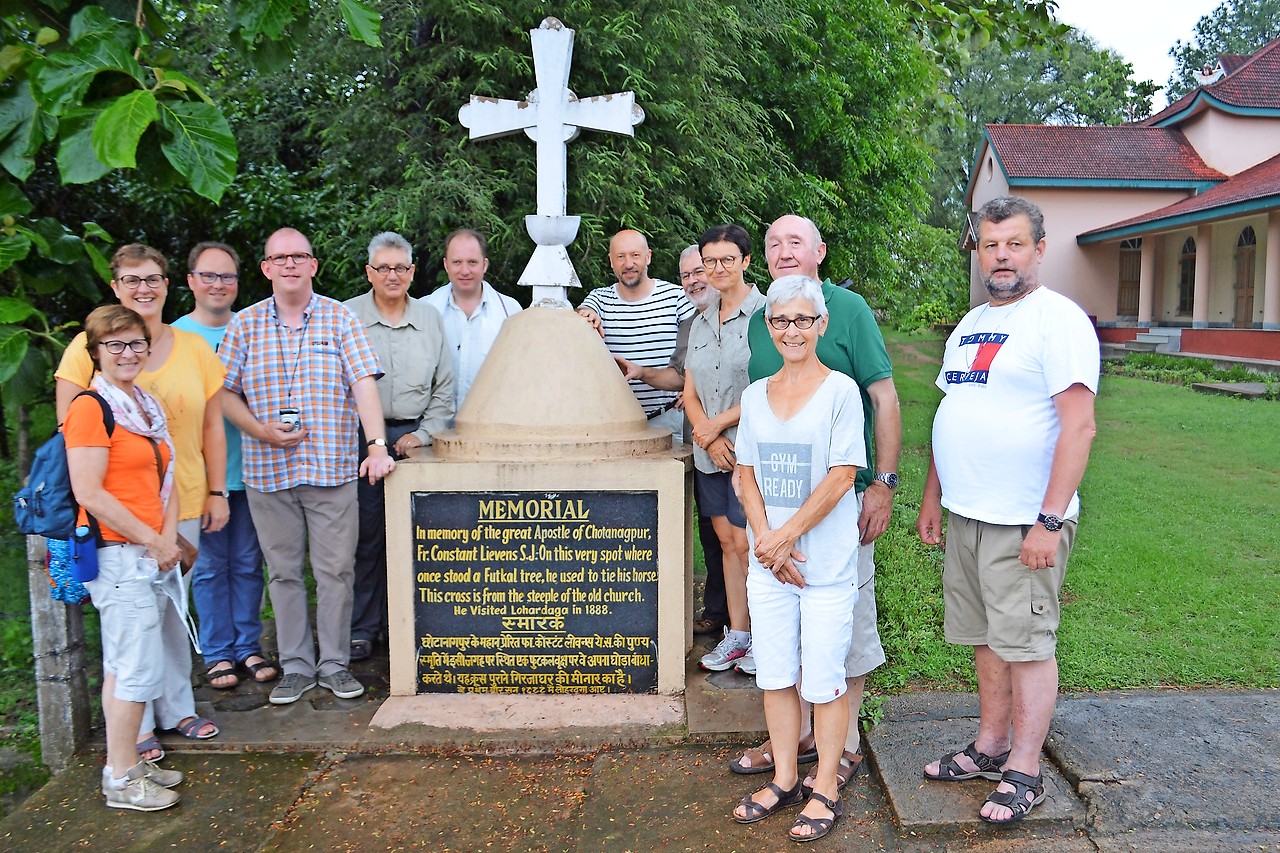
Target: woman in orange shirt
(125, 481)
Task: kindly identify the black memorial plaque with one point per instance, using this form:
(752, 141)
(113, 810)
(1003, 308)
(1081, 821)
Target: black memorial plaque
(534, 592)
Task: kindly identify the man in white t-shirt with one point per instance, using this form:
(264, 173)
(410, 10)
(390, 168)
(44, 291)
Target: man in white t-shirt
(472, 309)
(1011, 440)
(639, 318)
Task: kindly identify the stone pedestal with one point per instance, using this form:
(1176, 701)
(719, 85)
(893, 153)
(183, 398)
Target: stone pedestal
(544, 545)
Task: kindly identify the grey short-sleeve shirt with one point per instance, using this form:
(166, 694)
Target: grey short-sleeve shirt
(717, 360)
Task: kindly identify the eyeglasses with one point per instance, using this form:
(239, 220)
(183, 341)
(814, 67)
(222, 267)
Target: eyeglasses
(116, 347)
(215, 277)
(686, 276)
(802, 323)
(384, 269)
(727, 263)
(298, 258)
(133, 282)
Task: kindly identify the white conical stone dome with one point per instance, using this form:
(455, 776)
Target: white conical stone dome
(549, 389)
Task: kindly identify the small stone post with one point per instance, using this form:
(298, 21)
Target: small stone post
(62, 689)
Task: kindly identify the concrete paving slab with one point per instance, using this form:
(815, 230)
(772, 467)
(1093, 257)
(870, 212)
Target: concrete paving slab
(1247, 390)
(439, 803)
(1173, 759)
(1189, 842)
(721, 703)
(916, 731)
(228, 802)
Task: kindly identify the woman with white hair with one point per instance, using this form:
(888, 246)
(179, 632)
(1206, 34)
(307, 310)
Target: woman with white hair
(799, 448)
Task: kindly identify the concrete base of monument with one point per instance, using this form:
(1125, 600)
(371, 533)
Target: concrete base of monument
(625, 717)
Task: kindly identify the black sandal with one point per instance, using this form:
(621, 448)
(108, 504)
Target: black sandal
(850, 765)
(786, 799)
(1016, 800)
(254, 669)
(227, 670)
(820, 825)
(988, 766)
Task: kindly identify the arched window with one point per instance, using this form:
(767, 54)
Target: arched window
(1247, 238)
(1187, 277)
(1130, 273)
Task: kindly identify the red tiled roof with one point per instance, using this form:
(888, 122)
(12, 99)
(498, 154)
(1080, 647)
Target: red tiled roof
(1098, 153)
(1253, 184)
(1231, 61)
(1251, 82)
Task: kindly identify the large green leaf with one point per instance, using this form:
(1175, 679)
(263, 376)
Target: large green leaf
(63, 78)
(77, 161)
(120, 126)
(267, 17)
(13, 349)
(31, 382)
(362, 21)
(13, 248)
(14, 311)
(200, 146)
(13, 57)
(21, 132)
(64, 246)
(167, 77)
(12, 201)
(100, 263)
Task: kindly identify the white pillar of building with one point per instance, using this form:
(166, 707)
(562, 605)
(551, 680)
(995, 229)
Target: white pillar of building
(1147, 281)
(1271, 275)
(1204, 263)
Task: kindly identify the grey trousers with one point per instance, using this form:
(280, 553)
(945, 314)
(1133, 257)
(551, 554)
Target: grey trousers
(327, 518)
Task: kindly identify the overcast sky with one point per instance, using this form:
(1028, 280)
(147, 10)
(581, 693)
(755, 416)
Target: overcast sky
(1142, 31)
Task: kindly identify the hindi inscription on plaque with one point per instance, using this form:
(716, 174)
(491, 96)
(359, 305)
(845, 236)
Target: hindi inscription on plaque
(534, 592)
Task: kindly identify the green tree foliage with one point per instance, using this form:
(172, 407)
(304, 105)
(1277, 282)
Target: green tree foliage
(753, 109)
(1236, 26)
(1074, 82)
(94, 107)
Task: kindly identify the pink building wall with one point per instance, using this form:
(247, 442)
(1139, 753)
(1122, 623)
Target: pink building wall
(1232, 143)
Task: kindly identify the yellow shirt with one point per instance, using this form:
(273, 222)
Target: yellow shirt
(191, 368)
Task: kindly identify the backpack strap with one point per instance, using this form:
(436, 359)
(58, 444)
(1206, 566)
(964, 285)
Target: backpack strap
(108, 421)
(108, 417)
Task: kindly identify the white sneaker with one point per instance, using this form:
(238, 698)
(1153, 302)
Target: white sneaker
(726, 653)
(140, 793)
(747, 663)
(154, 772)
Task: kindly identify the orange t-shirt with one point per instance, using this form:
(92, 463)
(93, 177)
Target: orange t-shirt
(132, 475)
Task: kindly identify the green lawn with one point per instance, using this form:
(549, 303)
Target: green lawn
(1176, 570)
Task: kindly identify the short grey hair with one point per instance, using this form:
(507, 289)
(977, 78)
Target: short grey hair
(1008, 206)
(691, 250)
(791, 287)
(390, 240)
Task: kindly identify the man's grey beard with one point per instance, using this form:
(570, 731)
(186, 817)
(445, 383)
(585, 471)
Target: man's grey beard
(1018, 287)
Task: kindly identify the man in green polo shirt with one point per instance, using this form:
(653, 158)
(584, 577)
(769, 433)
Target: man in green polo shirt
(853, 346)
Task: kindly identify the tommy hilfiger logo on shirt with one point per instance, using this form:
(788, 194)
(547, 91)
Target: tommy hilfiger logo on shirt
(988, 344)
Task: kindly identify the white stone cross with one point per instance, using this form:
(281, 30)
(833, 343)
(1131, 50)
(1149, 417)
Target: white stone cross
(551, 116)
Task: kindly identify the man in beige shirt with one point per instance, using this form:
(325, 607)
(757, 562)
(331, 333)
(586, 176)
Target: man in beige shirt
(417, 398)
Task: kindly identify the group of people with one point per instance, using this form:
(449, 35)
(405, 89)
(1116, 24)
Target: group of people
(789, 400)
(787, 397)
(242, 436)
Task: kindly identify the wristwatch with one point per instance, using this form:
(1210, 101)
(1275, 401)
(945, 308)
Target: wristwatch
(377, 442)
(1051, 522)
(214, 493)
(889, 478)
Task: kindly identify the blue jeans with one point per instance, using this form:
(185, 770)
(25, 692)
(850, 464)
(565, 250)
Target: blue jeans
(226, 585)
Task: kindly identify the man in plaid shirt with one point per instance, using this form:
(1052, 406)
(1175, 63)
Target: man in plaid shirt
(300, 371)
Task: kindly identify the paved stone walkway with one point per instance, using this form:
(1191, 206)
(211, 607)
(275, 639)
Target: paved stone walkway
(1168, 771)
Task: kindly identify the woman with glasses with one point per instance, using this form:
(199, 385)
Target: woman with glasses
(714, 379)
(184, 374)
(799, 449)
(124, 479)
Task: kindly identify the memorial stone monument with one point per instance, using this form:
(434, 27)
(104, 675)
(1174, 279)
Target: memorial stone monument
(543, 545)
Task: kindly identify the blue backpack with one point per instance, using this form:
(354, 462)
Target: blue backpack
(46, 506)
